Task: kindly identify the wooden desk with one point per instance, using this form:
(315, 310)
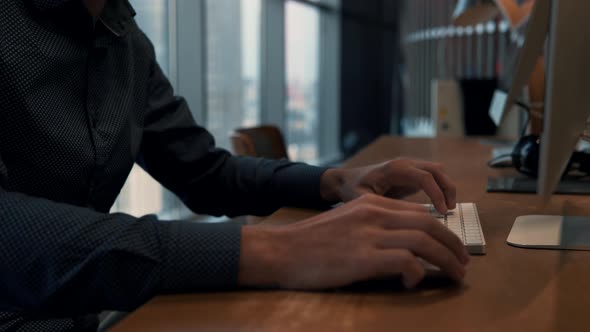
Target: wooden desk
(509, 289)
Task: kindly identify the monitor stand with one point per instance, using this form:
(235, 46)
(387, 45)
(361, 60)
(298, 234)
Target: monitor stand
(551, 232)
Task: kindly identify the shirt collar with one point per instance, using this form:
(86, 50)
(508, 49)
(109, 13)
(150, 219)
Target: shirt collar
(117, 15)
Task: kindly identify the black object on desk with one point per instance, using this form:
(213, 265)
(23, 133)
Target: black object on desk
(525, 185)
(477, 98)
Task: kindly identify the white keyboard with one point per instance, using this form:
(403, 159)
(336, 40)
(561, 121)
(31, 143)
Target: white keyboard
(464, 221)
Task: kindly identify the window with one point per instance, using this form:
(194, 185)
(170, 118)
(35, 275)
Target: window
(302, 65)
(232, 66)
(152, 18)
(219, 54)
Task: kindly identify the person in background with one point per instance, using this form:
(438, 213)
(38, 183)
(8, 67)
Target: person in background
(82, 99)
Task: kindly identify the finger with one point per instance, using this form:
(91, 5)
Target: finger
(423, 245)
(426, 181)
(428, 224)
(392, 262)
(444, 182)
(390, 204)
(366, 202)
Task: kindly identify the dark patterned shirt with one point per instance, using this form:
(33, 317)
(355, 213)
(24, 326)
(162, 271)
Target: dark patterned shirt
(80, 103)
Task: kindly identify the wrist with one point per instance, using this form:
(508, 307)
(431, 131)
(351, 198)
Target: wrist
(261, 250)
(331, 184)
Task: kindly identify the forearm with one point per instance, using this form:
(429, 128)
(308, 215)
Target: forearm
(65, 260)
(261, 256)
(182, 156)
(330, 185)
(252, 186)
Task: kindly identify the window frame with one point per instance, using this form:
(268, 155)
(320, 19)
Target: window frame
(187, 61)
(330, 39)
(190, 55)
(273, 76)
(273, 72)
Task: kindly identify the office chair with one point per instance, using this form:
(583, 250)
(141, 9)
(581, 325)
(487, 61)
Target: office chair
(264, 141)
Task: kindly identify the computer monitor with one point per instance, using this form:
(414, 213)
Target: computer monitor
(568, 89)
(567, 108)
(535, 37)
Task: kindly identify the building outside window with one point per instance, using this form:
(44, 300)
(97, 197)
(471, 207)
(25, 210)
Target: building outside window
(232, 65)
(302, 66)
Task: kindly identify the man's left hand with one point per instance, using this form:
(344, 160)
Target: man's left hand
(394, 179)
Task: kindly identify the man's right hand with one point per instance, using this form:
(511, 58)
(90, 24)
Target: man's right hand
(370, 237)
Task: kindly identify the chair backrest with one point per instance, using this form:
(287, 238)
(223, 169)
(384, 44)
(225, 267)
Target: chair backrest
(263, 141)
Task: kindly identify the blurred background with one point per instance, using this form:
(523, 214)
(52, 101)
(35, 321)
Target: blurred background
(331, 75)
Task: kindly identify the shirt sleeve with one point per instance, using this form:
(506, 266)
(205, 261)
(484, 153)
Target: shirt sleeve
(182, 156)
(62, 260)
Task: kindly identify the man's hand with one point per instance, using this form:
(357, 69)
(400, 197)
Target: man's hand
(370, 237)
(394, 179)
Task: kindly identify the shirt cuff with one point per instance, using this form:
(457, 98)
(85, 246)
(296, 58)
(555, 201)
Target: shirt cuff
(201, 255)
(300, 185)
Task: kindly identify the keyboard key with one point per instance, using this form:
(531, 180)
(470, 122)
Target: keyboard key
(464, 222)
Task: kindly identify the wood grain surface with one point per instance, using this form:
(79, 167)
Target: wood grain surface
(509, 289)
